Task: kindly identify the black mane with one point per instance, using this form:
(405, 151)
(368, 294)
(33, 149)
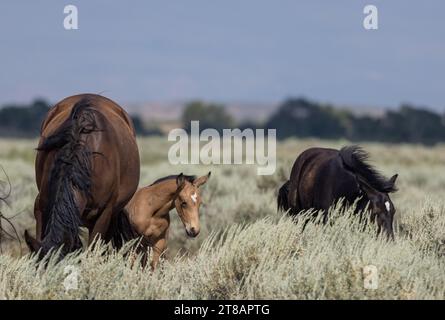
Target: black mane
(174, 176)
(355, 159)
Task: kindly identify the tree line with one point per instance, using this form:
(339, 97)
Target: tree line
(300, 117)
(295, 117)
(24, 121)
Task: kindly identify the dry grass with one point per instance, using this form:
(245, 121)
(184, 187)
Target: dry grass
(246, 250)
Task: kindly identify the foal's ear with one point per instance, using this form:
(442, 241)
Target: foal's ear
(180, 180)
(201, 180)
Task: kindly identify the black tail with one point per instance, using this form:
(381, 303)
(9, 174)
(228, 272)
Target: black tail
(283, 197)
(71, 172)
(121, 230)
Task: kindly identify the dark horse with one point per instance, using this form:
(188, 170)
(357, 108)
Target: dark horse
(320, 177)
(87, 169)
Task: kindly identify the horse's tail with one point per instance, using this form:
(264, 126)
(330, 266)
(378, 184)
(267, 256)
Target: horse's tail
(283, 197)
(121, 230)
(70, 178)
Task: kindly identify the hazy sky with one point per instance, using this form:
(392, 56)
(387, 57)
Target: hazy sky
(231, 50)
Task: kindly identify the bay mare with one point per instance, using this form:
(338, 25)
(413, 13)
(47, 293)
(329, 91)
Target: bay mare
(147, 215)
(320, 177)
(87, 169)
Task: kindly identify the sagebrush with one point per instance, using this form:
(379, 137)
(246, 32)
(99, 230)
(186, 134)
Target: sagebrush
(246, 250)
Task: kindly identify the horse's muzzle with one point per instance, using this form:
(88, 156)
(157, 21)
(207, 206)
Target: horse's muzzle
(192, 232)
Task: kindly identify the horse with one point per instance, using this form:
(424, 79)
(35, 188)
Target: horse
(321, 177)
(87, 169)
(146, 216)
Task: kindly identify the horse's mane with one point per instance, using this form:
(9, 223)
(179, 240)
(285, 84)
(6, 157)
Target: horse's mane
(355, 159)
(174, 176)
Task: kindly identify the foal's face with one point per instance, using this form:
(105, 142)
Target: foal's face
(188, 202)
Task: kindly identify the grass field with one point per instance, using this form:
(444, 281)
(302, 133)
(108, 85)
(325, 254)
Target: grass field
(246, 250)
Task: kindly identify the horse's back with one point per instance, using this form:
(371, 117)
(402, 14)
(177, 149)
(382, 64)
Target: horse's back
(318, 178)
(309, 161)
(115, 155)
(107, 107)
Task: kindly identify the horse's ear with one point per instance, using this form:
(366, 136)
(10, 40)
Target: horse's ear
(201, 180)
(32, 243)
(393, 179)
(180, 180)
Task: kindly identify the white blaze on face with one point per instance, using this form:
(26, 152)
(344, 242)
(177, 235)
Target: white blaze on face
(387, 205)
(194, 197)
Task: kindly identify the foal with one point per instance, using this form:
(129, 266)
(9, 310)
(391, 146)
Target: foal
(147, 213)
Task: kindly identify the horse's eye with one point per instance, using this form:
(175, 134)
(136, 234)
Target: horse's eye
(183, 204)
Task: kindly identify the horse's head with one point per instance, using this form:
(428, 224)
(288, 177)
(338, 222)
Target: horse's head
(381, 207)
(188, 201)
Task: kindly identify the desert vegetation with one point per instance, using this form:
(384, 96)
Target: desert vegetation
(246, 250)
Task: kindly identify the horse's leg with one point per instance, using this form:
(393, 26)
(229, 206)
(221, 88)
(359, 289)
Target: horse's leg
(158, 248)
(139, 248)
(145, 254)
(38, 217)
(100, 228)
(35, 243)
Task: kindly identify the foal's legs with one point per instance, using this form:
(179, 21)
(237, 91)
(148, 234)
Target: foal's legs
(158, 248)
